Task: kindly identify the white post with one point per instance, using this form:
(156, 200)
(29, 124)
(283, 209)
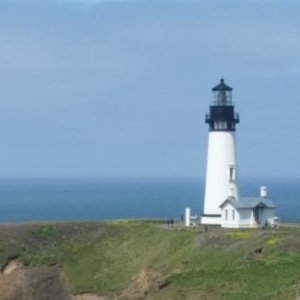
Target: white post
(187, 218)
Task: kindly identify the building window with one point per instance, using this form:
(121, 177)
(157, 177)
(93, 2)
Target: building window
(233, 215)
(226, 214)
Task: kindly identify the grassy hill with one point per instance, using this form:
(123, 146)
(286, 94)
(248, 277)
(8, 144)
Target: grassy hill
(148, 260)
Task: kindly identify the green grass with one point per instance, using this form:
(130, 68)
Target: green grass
(103, 257)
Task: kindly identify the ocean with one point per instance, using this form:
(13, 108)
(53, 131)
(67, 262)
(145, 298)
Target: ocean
(119, 198)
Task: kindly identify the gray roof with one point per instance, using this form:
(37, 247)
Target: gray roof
(244, 203)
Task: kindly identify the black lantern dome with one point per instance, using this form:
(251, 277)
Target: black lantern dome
(222, 116)
(222, 86)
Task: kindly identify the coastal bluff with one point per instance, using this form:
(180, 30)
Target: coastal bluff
(146, 259)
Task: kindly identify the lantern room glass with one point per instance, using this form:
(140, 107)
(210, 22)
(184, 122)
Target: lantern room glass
(221, 98)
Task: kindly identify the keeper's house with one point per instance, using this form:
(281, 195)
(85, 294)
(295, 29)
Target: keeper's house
(247, 212)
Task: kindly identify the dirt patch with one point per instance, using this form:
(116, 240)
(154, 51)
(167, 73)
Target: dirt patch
(141, 285)
(89, 297)
(20, 283)
(11, 281)
(46, 283)
(12, 266)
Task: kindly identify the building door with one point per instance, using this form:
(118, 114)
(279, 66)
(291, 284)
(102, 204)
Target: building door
(256, 212)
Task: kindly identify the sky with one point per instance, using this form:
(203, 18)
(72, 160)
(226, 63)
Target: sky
(120, 88)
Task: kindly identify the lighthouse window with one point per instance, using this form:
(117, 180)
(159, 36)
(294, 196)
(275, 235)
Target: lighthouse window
(231, 173)
(226, 214)
(233, 215)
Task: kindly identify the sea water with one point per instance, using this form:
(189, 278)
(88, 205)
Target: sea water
(119, 198)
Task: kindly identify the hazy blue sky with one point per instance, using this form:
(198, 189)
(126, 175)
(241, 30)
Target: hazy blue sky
(117, 88)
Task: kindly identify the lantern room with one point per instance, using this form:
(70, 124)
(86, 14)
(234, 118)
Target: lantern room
(222, 94)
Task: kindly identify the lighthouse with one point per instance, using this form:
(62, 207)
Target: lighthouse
(221, 172)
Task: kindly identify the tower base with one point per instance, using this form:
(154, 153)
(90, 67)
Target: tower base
(211, 219)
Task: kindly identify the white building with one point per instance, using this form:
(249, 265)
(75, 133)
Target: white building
(247, 212)
(222, 202)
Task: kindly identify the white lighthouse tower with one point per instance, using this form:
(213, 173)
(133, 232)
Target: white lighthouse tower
(221, 172)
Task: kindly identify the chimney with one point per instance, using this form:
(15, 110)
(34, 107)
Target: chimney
(264, 192)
